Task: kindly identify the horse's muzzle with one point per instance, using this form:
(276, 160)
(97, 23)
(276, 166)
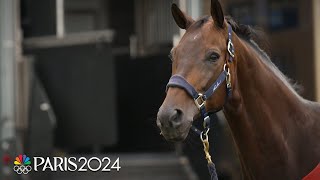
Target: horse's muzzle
(171, 124)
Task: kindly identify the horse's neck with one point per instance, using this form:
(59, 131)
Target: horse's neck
(260, 90)
(258, 113)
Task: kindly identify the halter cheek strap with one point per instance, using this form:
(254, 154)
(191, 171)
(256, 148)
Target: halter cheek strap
(230, 46)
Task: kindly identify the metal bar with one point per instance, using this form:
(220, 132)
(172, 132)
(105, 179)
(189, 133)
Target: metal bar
(60, 18)
(194, 8)
(9, 143)
(7, 71)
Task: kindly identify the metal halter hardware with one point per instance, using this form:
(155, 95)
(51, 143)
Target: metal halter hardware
(200, 101)
(230, 48)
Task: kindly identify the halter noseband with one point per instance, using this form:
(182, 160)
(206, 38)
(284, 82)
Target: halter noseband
(199, 98)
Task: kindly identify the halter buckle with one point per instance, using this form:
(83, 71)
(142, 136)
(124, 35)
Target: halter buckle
(230, 48)
(199, 101)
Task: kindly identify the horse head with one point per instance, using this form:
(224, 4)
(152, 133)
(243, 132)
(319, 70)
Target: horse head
(199, 58)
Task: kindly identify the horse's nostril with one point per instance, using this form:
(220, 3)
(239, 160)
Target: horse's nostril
(179, 112)
(176, 116)
(175, 119)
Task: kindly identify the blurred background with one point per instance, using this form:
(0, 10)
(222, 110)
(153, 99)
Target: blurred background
(86, 78)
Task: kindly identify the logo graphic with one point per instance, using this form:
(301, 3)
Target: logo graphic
(22, 164)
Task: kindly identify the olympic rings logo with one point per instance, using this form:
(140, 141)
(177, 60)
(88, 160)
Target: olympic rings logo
(22, 169)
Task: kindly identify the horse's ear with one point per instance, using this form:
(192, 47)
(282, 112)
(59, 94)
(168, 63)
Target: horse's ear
(182, 20)
(217, 13)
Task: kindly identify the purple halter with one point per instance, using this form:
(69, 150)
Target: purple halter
(200, 99)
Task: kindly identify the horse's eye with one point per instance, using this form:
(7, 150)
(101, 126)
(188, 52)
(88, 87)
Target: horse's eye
(214, 57)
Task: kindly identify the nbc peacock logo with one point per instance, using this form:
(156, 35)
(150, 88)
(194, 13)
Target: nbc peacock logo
(22, 164)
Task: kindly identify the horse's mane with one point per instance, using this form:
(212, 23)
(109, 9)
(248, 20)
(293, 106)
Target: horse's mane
(257, 39)
(249, 33)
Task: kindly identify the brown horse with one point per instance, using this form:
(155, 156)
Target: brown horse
(275, 130)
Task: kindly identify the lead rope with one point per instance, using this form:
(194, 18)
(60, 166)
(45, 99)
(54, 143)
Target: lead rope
(206, 147)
